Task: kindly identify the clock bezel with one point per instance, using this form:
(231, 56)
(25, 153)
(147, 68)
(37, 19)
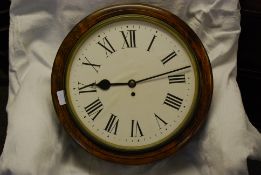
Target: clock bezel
(204, 94)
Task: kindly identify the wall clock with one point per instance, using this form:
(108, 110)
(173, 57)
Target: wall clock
(131, 83)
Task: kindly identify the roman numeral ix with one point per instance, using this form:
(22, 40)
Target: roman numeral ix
(86, 88)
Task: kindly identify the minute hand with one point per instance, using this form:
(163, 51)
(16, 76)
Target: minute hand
(165, 73)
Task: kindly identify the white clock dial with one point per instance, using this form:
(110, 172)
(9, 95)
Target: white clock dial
(151, 85)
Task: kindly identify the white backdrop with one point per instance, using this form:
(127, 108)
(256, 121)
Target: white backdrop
(37, 144)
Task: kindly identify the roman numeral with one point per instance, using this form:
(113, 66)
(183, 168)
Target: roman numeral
(129, 38)
(94, 109)
(173, 101)
(160, 121)
(169, 57)
(177, 78)
(135, 129)
(112, 124)
(94, 66)
(107, 46)
(151, 42)
(86, 88)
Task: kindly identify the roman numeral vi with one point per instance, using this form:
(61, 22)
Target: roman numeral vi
(136, 129)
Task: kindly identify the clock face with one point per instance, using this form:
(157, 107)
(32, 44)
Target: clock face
(131, 83)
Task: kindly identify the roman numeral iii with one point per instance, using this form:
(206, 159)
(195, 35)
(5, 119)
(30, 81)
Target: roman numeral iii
(177, 79)
(94, 109)
(129, 39)
(173, 101)
(112, 125)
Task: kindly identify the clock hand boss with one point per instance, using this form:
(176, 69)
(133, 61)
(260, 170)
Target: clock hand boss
(106, 84)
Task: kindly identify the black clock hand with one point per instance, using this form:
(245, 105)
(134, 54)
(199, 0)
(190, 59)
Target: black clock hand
(106, 84)
(159, 75)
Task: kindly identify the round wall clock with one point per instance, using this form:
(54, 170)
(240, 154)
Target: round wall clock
(131, 83)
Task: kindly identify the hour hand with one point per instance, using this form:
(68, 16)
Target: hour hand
(106, 84)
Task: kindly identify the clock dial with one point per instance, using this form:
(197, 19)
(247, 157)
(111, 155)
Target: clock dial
(131, 83)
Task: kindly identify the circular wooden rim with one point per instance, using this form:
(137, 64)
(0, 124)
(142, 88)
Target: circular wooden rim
(205, 83)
